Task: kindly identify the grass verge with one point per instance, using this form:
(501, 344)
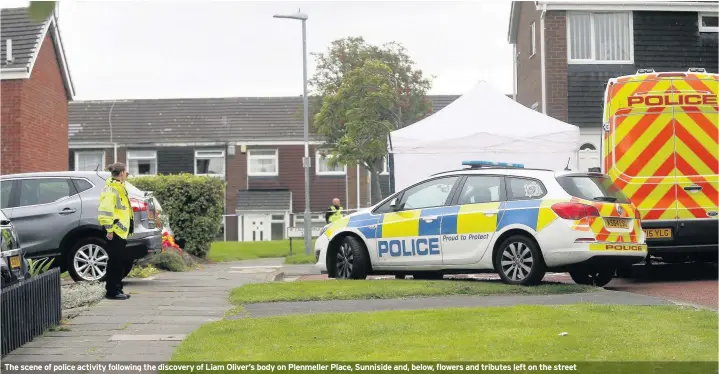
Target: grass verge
(518, 333)
(387, 289)
(236, 251)
(300, 259)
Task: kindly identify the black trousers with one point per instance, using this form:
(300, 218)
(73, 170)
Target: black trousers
(118, 265)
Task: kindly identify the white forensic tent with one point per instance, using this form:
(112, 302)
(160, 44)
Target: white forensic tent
(485, 125)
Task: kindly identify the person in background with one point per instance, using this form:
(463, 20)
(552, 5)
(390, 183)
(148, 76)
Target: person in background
(334, 212)
(116, 217)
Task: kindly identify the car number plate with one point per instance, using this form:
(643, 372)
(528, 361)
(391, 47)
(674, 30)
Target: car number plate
(616, 223)
(658, 233)
(15, 262)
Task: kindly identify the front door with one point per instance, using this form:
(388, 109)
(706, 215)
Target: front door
(45, 209)
(256, 227)
(410, 235)
(467, 232)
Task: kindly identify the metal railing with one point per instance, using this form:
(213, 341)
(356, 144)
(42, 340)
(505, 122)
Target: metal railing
(29, 308)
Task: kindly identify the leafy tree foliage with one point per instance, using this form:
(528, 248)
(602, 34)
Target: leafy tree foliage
(361, 93)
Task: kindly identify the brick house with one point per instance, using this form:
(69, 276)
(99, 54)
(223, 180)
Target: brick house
(255, 144)
(36, 88)
(589, 42)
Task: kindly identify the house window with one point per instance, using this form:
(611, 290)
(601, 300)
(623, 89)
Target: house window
(89, 160)
(532, 39)
(210, 163)
(262, 163)
(142, 162)
(597, 38)
(324, 169)
(587, 147)
(708, 22)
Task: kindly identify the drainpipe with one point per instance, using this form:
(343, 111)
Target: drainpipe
(544, 73)
(358, 186)
(514, 72)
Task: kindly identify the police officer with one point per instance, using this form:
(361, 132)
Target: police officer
(116, 217)
(334, 212)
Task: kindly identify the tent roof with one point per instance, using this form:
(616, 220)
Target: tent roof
(487, 116)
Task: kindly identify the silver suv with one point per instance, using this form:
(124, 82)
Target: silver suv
(55, 214)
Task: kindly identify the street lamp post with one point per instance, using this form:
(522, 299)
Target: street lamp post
(306, 160)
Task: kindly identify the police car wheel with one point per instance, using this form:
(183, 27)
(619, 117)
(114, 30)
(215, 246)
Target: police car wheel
(351, 260)
(592, 277)
(518, 261)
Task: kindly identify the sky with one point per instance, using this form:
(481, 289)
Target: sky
(163, 49)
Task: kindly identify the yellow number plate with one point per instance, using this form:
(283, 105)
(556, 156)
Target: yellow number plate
(658, 233)
(616, 223)
(14, 262)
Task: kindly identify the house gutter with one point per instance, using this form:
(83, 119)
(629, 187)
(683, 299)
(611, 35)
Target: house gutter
(543, 63)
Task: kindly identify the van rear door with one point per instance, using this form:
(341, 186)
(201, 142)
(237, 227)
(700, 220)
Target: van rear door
(639, 144)
(697, 146)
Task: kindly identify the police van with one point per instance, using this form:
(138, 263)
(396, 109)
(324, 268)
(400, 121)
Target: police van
(490, 217)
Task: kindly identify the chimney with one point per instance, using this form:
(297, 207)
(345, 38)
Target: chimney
(8, 55)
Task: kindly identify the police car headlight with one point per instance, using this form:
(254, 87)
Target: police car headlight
(322, 231)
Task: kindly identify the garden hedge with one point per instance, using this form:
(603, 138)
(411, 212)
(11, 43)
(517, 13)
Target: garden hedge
(194, 204)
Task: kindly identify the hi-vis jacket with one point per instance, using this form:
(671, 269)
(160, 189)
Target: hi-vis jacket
(115, 213)
(333, 214)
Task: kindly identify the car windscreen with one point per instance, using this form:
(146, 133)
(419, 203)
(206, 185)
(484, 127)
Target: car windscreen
(595, 188)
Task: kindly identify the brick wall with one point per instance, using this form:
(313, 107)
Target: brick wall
(34, 118)
(529, 68)
(555, 40)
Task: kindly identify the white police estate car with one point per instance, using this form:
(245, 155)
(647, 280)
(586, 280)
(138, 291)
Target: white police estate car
(493, 217)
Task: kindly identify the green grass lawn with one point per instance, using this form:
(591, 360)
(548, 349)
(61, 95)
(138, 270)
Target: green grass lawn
(518, 333)
(235, 251)
(387, 289)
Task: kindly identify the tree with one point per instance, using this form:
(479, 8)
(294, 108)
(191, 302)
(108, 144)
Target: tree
(357, 118)
(396, 84)
(40, 10)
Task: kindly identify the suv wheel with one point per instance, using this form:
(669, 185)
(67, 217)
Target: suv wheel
(518, 261)
(352, 259)
(87, 260)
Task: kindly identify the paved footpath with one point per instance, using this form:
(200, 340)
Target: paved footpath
(148, 326)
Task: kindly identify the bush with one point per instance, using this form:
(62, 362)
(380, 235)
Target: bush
(171, 261)
(194, 205)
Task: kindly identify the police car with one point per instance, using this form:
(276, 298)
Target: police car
(490, 217)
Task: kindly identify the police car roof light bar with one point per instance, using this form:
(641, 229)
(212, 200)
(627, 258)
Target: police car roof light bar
(490, 164)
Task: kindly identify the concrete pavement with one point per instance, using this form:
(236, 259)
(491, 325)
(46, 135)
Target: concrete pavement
(148, 326)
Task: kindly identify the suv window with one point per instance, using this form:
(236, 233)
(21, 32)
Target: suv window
(596, 188)
(5, 188)
(44, 191)
(82, 185)
(524, 188)
(428, 194)
(480, 189)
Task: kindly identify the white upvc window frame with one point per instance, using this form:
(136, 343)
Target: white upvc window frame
(318, 156)
(129, 157)
(275, 158)
(385, 166)
(533, 39)
(593, 60)
(201, 154)
(102, 161)
(707, 28)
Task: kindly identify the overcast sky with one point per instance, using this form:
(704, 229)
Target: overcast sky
(162, 49)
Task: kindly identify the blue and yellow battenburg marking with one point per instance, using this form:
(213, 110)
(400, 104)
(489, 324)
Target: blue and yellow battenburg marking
(418, 232)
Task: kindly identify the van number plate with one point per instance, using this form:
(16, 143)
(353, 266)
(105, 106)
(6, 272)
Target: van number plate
(616, 223)
(658, 233)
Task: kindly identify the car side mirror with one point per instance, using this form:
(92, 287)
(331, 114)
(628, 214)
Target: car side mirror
(393, 204)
